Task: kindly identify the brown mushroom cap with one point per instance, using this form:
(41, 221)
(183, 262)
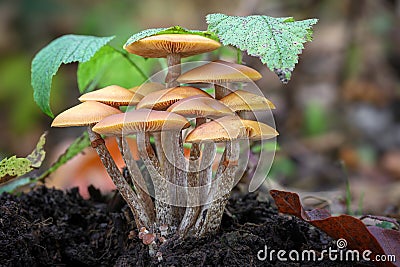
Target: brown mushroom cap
(245, 101)
(139, 121)
(220, 71)
(113, 95)
(200, 106)
(84, 114)
(162, 99)
(159, 46)
(230, 128)
(256, 130)
(147, 88)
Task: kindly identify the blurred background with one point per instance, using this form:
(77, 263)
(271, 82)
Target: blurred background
(338, 118)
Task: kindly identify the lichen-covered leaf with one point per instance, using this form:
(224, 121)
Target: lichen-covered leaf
(174, 30)
(66, 49)
(276, 41)
(75, 148)
(38, 154)
(14, 166)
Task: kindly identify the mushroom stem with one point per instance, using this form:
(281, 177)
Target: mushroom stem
(205, 177)
(146, 152)
(174, 169)
(141, 217)
(174, 69)
(207, 159)
(136, 177)
(193, 180)
(219, 194)
(221, 90)
(159, 150)
(243, 114)
(175, 172)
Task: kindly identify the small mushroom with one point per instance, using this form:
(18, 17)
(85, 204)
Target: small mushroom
(230, 128)
(84, 114)
(141, 122)
(226, 129)
(148, 238)
(173, 164)
(201, 108)
(173, 47)
(87, 114)
(219, 73)
(112, 95)
(241, 100)
(162, 99)
(117, 96)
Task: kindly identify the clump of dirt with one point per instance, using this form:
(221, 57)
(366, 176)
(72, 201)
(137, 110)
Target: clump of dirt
(50, 227)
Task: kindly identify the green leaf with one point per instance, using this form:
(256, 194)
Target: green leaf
(174, 30)
(276, 41)
(111, 66)
(66, 49)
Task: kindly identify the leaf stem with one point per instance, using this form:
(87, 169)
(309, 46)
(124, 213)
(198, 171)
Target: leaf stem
(239, 56)
(138, 69)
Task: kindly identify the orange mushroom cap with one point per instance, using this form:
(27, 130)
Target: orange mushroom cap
(140, 120)
(84, 114)
(220, 71)
(230, 128)
(200, 106)
(162, 99)
(159, 46)
(113, 95)
(245, 101)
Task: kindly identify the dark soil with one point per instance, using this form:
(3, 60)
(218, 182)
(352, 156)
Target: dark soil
(48, 227)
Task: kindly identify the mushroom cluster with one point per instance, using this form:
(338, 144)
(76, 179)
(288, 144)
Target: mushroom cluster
(188, 199)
